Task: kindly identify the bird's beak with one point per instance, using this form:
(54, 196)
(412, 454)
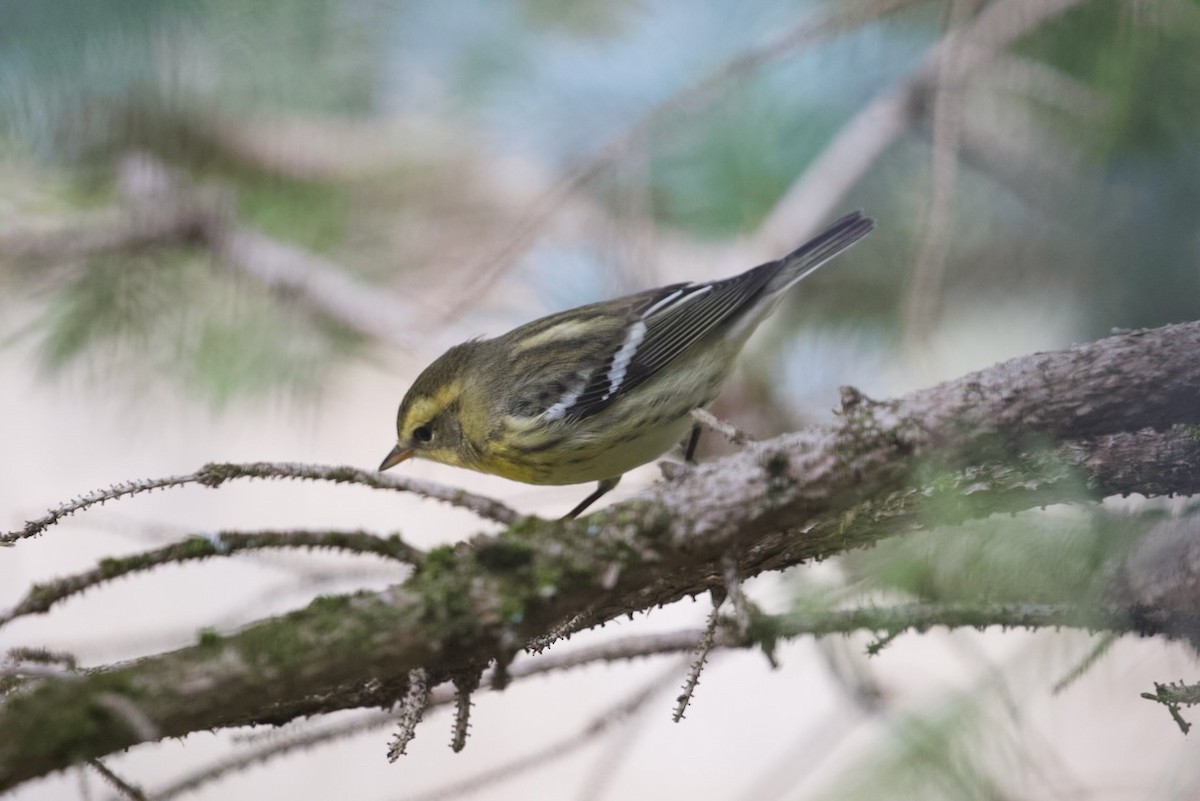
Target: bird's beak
(397, 455)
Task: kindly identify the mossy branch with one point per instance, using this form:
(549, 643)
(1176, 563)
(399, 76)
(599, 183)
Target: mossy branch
(1107, 418)
(764, 632)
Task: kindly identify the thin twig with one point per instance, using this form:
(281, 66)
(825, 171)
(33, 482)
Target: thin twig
(819, 622)
(120, 785)
(95, 498)
(326, 287)
(97, 233)
(217, 473)
(464, 685)
(727, 430)
(1103, 645)
(698, 659)
(562, 631)
(604, 771)
(165, 209)
(594, 729)
(43, 656)
(85, 785)
(627, 648)
(41, 597)
(412, 708)
(1173, 695)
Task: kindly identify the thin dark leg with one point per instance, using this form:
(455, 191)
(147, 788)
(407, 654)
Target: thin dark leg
(689, 450)
(601, 489)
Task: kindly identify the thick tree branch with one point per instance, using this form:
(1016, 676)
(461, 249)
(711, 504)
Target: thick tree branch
(886, 621)
(1035, 430)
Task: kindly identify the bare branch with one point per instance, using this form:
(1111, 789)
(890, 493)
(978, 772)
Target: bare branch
(94, 498)
(464, 685)
(625, 649)
(41, 597)
(598, 726)
(124, 788)
(1103, 645)
(215, 474)
(697, 665)
(412, 709)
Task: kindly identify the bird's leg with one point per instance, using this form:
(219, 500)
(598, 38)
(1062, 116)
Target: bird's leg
(601, 489)
(689, 449)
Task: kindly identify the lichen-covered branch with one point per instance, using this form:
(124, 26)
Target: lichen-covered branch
(886, 621)
(1039, 429)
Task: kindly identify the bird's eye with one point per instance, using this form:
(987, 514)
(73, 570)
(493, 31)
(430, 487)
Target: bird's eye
(422, 433)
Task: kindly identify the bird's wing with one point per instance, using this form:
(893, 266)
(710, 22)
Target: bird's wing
(575, 364)
(671, 321)
(676, 317)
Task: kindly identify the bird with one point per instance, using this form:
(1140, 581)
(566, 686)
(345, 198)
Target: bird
(590, 393)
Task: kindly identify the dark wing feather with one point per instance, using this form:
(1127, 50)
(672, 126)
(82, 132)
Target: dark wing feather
(554, 359)
(620, 345)
(684, 314)
(672, 325)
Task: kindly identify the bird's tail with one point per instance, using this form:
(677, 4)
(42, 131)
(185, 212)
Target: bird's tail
(806, 259)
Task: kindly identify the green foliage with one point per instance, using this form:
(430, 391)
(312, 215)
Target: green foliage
(724, 169)
(66, 61)
(82, 83)
(172, 314)
(957, 753)
(308, 213)
(578, 17)
(1053, 556)
(1143, 214)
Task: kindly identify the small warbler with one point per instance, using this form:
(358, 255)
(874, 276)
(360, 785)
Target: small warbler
(589, 393)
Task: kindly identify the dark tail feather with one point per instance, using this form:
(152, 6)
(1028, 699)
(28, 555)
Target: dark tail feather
(805, 260)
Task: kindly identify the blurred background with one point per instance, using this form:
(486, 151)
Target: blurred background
(237, 231)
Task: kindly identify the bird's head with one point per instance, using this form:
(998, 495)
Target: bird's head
(432, 414)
